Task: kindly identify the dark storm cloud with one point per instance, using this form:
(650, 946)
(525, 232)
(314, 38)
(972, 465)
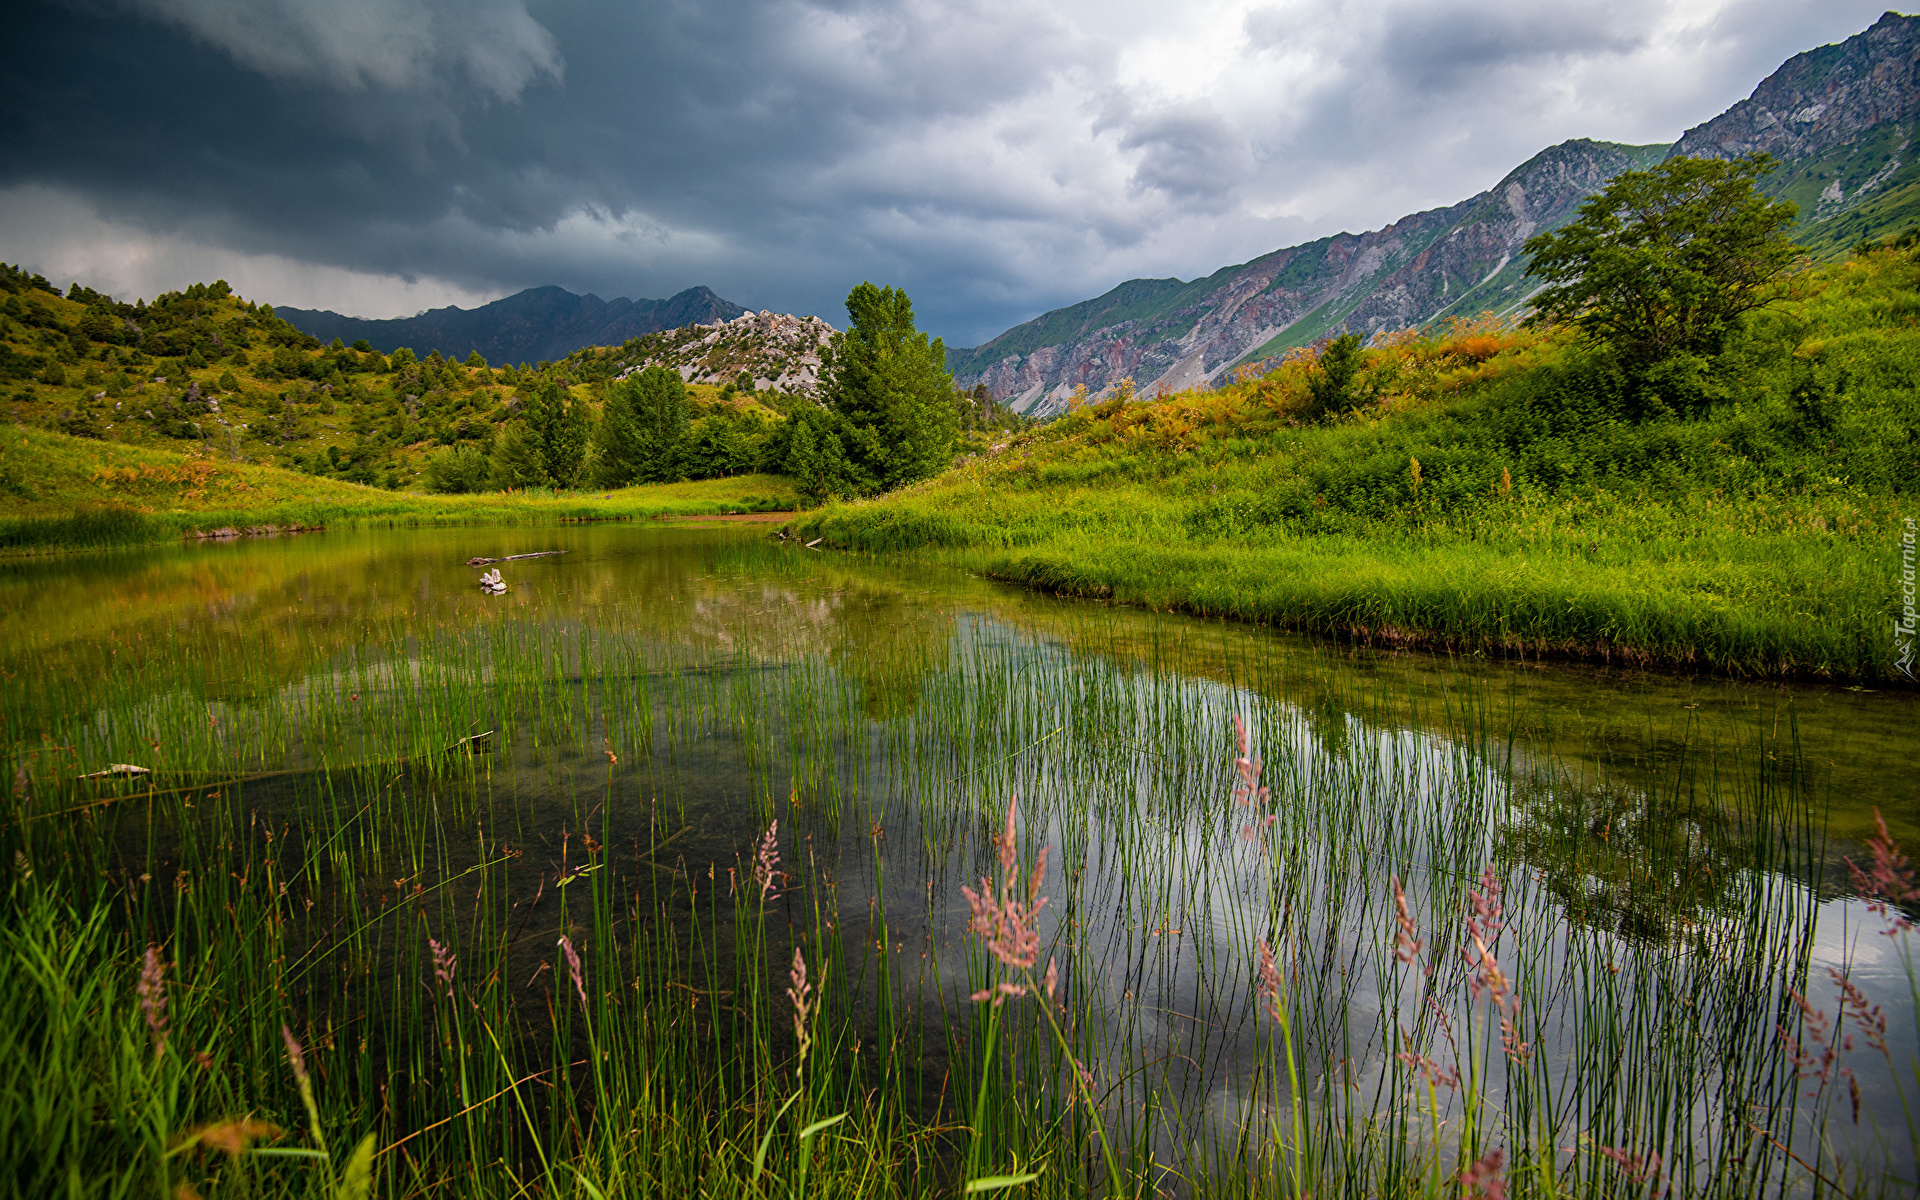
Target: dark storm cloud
(996, 157)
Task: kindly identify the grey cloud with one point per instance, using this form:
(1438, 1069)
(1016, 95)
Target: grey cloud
(1190, 153)
(989, 155)
(1445, 47)
(401, 45)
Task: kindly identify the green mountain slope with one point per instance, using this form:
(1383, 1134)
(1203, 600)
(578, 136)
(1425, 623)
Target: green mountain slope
(1840, 118)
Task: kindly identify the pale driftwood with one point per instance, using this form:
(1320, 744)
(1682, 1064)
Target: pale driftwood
(125, 770)
(479, 743)
(815, 543)
(487, 562)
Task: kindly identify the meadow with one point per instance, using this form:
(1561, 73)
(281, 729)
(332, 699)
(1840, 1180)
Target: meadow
(70, 493)
(1490, 490)
(647, 878)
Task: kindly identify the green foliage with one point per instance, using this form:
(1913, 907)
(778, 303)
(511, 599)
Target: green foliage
(1662, 263)
(560, 426)
(1511, 491)
(229, 382)
(891, 398)
(641, 425)
(1331, 382)
(458, 470)
(517, 461)
(817, 458)
(721, 445)
(979, 411)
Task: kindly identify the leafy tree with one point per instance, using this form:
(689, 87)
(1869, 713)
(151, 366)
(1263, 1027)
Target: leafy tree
(228, 382)
(641, 426)
(100, 325)
(476, 360)
(1664, 261)
(889, 391)
(721, 445)
(817, 458)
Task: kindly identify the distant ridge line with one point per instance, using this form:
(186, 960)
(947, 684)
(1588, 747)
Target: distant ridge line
(540, 324)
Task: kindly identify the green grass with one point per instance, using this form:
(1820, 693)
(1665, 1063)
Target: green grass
(1497, 496)
(70, 493)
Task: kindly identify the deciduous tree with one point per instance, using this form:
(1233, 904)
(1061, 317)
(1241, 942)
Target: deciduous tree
(887, 386)
(1662, 262)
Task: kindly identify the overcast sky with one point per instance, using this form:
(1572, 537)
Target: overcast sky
(996, 158)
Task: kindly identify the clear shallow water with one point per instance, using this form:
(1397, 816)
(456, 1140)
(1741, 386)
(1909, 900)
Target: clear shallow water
(1670, 849)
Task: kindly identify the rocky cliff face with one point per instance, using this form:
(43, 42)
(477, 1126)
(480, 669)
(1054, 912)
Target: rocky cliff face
(778, 351)
(1822, 99)
(1838, 117)
(539, 324)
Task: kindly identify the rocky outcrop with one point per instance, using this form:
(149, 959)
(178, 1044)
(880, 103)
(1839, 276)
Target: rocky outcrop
(776, 350)
(1822, 99)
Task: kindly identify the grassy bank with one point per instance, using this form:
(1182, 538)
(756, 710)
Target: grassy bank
(66, 493)
(1493, 491)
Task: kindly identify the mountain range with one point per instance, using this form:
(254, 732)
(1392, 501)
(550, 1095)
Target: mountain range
(539, 324)
(1839, 118)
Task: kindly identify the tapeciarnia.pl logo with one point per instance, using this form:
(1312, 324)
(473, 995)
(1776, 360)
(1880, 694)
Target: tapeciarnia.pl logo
(1904, 627)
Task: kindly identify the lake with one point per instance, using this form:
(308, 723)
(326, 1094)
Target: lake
(524, 875)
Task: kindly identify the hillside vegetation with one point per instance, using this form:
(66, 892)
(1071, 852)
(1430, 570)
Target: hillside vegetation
(1493, 490)
(200, 390)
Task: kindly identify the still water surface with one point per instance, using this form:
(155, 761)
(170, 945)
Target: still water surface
(1671, 850)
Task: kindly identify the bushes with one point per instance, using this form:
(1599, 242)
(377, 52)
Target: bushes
(458, 470)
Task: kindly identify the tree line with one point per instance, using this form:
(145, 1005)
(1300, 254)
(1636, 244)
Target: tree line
(887, 414)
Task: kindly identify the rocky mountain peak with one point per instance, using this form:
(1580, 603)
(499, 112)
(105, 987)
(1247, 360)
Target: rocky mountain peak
(1821, 99)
